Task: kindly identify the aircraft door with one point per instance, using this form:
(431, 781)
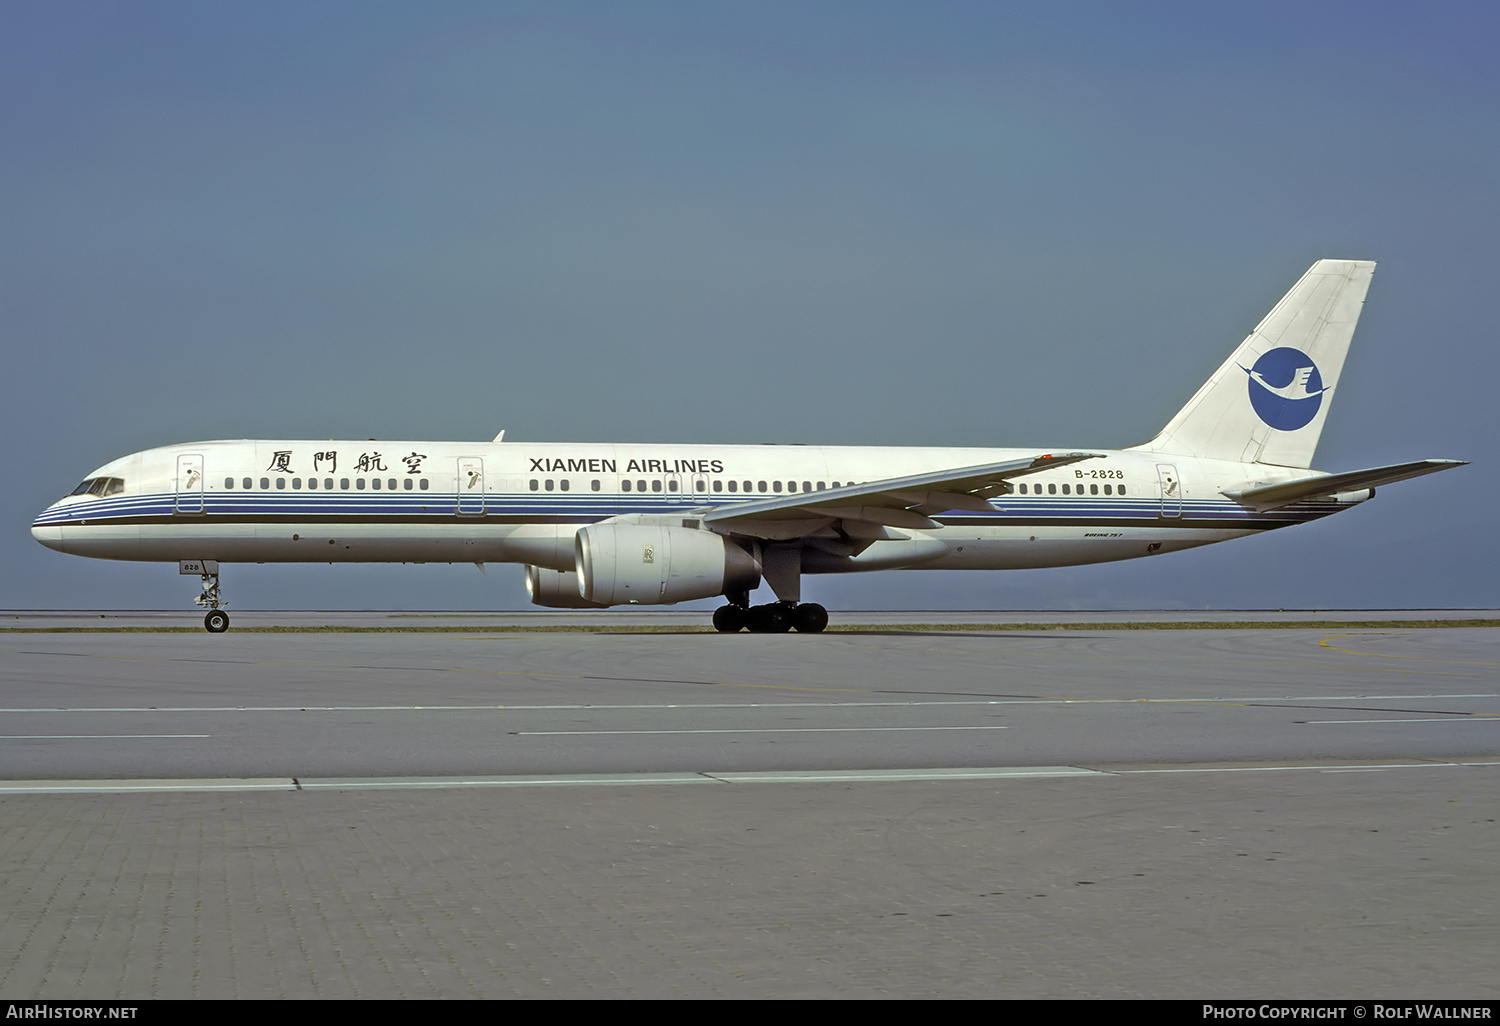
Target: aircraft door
(1171, 490)
(470, 486)
(189, 484)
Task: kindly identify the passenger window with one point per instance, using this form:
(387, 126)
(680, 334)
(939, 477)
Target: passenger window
(775, 486)
(701, 486)
(297, 483)
(718, 486)
(563, 484)
(1023, 489)
(1093, 489)
(359, 484)
(548, 485)
(594, 484)
(656, 486)
(1122, 490)
(328, 483)
(1108, 490)
(406, 484)
(1052, 489)
(535, 484)
(672, 486)
(734, 486)
(822, 487)
(640, 485)
(312, 482)
(344, 484)
(281, 482)
(422, 484)
(624, 486)
(265, 482)
(375, 483)
(762, 486)
(229, 482)
(392, 484)
(747, 486)
(247, 483)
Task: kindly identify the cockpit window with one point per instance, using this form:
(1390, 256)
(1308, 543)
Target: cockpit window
(100, 486)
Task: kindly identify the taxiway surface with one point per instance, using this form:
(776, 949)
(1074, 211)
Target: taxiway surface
(1266, 812)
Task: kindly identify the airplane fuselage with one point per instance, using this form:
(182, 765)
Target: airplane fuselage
(336, 502)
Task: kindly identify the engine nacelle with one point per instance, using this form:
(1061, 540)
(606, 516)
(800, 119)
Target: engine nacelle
(556, 589)
(655, 563)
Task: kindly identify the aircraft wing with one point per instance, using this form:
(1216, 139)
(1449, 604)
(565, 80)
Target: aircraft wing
(1268, 497)
(892, 502)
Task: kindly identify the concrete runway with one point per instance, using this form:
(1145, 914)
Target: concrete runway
(1228, 813)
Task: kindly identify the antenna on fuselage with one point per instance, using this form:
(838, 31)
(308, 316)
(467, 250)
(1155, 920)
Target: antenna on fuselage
(500, 437)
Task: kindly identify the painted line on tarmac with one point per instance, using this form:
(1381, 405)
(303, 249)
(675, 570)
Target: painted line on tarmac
(20, 787)
(1467, 718)
(1480, 764)
(145, 786)
(740, 730)
(105, 787)
(649, 707)
(93, 737)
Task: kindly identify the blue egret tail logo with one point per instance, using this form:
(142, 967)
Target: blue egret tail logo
(1285, 388)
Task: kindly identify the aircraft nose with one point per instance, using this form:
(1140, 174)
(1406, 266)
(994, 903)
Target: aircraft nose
(49, 535)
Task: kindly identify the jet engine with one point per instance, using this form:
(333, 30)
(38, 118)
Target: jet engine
(656, 563)
(556, 589)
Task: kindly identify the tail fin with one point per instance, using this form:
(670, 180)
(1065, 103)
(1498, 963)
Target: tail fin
(1267, 403)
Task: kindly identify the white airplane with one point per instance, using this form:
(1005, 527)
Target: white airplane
(604, 525)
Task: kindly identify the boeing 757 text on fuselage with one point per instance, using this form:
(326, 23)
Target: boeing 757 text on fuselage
(605, 525)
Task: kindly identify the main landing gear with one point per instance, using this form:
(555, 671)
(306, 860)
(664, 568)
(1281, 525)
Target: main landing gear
(772, 618)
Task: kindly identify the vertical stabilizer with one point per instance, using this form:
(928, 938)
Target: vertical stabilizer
(1267, 403)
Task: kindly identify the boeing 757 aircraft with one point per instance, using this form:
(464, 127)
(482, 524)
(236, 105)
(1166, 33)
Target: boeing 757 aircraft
(605, 525)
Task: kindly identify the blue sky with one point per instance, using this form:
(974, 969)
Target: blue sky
(937, 223)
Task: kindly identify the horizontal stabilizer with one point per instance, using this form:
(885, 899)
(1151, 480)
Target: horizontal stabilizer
(1285, 493)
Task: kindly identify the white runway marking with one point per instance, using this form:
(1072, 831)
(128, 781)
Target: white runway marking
(42, 787)
(1315, 769)
(1039, 700)
(747, 730)
(143, 786)
(1420, 719)
(74, 737)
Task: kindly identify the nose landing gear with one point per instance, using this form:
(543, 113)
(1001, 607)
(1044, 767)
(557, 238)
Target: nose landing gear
(215, 621)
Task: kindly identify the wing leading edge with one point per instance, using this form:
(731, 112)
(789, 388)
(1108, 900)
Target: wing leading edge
(891, 502)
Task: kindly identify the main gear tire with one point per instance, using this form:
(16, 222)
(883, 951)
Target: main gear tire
(730, 619)
(809, 618)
